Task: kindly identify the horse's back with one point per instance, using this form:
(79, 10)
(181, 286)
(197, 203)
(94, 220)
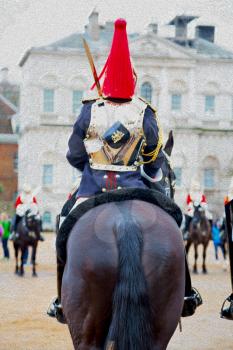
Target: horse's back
(93, 257)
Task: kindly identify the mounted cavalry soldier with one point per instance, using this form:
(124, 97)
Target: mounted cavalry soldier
(194, 198)
(24, 202)
(117, 141)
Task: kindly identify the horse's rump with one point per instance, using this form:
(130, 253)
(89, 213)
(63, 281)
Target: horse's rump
(151, 196)
(92, 273)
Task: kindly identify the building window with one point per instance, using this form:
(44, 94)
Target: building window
(48, 100)
(146, 91)
(47, 174)
(209, 104)
(15, 162)
(176, 102)
(47, 217)
(178, 174)
(209, 182)
(77, 101)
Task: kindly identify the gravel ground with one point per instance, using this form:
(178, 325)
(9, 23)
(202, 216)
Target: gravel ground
(25, 326)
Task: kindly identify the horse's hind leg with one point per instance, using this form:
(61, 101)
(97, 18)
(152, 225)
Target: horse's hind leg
(195, 258)
(21, 272)
(34, 274)
(204, 270)
(16, 259)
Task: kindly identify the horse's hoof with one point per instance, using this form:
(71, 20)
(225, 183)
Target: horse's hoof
(34, 274)
(205, 272)
(195, 272)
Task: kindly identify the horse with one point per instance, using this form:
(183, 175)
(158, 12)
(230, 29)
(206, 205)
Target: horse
(123, 283)
(28, 234)
(199, 233)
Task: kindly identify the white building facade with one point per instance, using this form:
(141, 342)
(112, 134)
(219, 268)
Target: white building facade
(188, 81)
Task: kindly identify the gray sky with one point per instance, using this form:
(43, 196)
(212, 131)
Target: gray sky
(26, 23)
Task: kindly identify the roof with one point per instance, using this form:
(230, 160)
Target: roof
(204, 47)
(74, 42)
(211, 49)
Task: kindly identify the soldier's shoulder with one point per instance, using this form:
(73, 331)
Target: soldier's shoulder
(148, 104)
(89, 97)
(91, 100)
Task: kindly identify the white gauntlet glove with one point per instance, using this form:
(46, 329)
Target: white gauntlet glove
(158, 176)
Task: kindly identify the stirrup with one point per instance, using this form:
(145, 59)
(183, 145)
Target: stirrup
(191, 302)
(227, 313)
(55, 310)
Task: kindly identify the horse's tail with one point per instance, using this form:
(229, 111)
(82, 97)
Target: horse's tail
(130, 328)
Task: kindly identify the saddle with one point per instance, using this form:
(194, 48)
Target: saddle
(146, 195)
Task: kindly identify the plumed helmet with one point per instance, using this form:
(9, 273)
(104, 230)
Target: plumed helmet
(27, 188)
(119, 80)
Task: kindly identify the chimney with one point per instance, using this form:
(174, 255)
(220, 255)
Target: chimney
(205, 32)
(4, 74)
(93, 28)
(152, 28)
(109, 26)
(180, 23)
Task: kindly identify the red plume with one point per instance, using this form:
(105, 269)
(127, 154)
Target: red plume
(119, 79)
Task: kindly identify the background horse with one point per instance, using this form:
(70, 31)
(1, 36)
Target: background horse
(199, 233)
(28, 232)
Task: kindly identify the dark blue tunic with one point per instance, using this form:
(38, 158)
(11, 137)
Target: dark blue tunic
(96, 181)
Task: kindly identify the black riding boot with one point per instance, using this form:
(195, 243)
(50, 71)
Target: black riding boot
(227, 312)
(192, 297)
(185, 231)
(15, 221)
(39, 237)
(55, 308)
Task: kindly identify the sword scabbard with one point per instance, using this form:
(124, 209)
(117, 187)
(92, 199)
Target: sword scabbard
(92, 65)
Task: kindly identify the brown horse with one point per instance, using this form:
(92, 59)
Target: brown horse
(28, 232)
(199, 233)
(123, 284)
